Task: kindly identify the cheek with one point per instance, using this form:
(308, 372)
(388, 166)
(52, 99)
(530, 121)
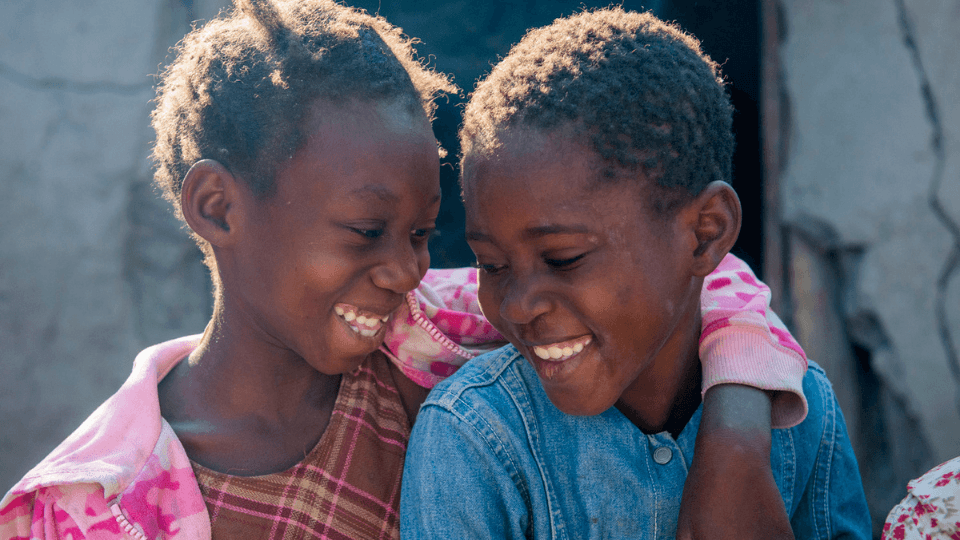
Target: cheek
(487, 298)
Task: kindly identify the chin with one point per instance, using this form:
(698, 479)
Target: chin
(575, 405)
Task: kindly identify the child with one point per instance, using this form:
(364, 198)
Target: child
(295, 143)
(930, 509)
(595, 170)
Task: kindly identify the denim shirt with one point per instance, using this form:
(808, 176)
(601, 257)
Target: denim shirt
(491, 457)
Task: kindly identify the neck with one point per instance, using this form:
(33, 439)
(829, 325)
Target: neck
(241, 402)
(667, 393)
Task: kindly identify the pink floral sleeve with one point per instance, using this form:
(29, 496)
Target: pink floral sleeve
(743, 342)
(931, 508)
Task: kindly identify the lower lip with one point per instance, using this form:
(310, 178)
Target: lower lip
(553, 370)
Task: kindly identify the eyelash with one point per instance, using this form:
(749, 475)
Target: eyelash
(563, 264)
(372, 234)
(419, 235)
(557, 264)
(492, 269)
(423, 234)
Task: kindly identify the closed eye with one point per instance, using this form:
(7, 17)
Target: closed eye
(492, 269)
(564, 263)
(423, 234)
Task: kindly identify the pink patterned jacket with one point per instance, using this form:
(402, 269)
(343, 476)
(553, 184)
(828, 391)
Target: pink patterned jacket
(124, 474)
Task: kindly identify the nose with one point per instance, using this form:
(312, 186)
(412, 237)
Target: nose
(524, 300)
(402, 268)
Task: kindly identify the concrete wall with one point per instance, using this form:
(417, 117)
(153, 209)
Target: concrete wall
(871, 199)
(92, 265)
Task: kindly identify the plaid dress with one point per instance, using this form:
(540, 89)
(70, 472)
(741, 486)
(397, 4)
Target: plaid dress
(348, 487)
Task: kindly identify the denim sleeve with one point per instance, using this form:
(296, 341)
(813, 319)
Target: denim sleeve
(457, 482)
(833, 504)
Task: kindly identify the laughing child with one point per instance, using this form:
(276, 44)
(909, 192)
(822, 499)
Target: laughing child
(294, 140)
(595, 172)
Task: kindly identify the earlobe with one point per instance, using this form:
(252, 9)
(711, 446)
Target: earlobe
(211, 202)
(717, 225)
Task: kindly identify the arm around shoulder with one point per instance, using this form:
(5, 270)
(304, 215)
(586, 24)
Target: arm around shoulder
(744, 342)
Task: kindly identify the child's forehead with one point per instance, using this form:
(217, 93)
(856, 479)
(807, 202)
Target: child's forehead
(395, 115)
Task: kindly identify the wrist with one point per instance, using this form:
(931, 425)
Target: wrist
(736, 417)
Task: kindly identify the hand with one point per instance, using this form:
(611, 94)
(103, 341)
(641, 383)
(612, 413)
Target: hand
(730, 492)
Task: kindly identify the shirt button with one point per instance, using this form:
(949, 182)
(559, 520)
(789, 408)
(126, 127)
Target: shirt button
(662, 455)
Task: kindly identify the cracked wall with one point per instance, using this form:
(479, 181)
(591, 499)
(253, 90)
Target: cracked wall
(871, 200)
(92, 266)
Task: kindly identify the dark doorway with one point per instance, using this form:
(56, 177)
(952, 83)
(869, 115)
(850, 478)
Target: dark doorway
(466, 38)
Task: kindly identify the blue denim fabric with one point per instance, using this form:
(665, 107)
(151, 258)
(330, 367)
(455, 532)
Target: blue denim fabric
(491, 457)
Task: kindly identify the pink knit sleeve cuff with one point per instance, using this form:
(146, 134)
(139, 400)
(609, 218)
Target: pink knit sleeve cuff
(744, 355)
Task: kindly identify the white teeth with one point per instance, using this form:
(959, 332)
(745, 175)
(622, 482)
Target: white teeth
(560, 352)
(365, 325)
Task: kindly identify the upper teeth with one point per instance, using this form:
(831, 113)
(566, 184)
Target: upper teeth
(366, 325)
(561, 351)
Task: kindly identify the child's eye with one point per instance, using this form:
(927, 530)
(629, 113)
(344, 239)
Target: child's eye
(422, 235)
(492, 269)
(563, 263)
(369, 233)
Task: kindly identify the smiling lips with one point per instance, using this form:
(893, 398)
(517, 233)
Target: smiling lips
(559, 352)
(364, 323)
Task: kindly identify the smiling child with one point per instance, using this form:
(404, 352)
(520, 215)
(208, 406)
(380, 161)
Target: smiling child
(294, 139)
(595, 174)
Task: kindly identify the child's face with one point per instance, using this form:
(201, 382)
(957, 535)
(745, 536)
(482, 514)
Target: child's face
(344, 237)
(585, 281)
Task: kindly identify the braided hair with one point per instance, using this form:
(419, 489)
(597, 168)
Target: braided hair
(637, 90)
(241, 86)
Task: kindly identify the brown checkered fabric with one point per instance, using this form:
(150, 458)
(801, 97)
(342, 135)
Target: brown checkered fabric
(348, 487)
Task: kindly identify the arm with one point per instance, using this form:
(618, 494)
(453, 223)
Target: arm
(742, 341)
(752, 378)
(455, 486)
(439, 327)
(730, 491)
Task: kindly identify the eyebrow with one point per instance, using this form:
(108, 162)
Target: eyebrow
(379, 192)
(533, 232)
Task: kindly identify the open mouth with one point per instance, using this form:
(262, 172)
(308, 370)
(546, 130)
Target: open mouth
(559, 352)
(365, 323)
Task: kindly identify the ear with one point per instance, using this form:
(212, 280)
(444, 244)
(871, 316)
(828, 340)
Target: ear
(715, 216)
(212, 202)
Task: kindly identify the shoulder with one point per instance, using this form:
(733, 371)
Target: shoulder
(121, 452)
(820, 396)
(480, 380)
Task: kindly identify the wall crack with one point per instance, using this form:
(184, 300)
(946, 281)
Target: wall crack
(64, 85)
(952, 264)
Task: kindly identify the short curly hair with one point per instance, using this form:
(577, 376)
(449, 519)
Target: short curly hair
(241, 86)
(636, 89)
